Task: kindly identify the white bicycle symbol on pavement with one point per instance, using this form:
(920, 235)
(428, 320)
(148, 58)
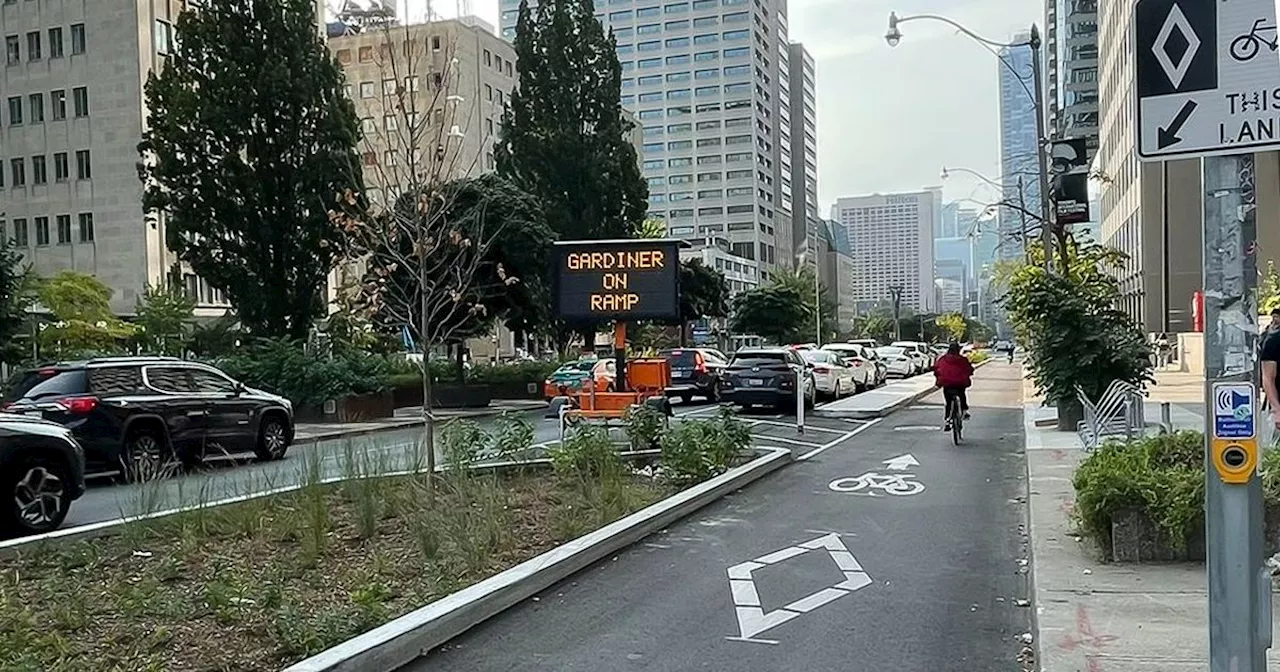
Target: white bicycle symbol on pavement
(893, 484)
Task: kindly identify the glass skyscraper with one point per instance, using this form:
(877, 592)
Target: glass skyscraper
(1018, 147)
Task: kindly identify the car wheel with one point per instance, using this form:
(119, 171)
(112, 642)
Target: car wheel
(713, 395)
(36, 493)
(858, 388)
(147, 455)
(273, 438)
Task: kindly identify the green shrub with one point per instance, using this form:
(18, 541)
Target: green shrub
(463, 442)
(512, 435)
(587, 455)
(696, 450)
(515, 372)
(284, 367)
(644, 425)
(978, 356)
(1162, 476)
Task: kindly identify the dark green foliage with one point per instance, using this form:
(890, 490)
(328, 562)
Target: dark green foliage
(1074, 334)
(775, 312)
(703, 291)
(284, 367)
(251, 144)
(164, 320)
(16, 296)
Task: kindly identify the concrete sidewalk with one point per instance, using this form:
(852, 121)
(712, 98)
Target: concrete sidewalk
(1096, 617)
(881, 401)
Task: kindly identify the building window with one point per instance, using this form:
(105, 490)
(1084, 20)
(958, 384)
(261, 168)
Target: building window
(390, 123)
(163, 37)
(367, 90)
(389, 87)
(35, 104)
(20, 235)
(42, 231)
(77, 38)
(15, 111)
(12, 50)
(39, 172)
(86, 227)
(84, 169)
(58, 100)
(18, 172)
(80, 100)
(55, 43)
(34, 52)
(64, 229)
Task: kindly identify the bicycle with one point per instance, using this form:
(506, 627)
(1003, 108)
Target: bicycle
(1245, 47)
(956, 417)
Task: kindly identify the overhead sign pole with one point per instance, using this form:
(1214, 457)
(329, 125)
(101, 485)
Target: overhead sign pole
(1207, 80)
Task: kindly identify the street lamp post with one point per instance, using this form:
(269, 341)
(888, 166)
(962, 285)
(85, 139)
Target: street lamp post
(817, 297)
(1022, 203)
(894, 36)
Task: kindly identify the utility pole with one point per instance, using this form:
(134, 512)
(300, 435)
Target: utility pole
(1046, 232)
(895, 294)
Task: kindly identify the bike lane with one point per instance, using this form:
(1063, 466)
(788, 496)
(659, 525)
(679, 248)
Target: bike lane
(912, 562)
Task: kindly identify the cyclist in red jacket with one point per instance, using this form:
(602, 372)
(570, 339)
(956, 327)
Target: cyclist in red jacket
(954, 374)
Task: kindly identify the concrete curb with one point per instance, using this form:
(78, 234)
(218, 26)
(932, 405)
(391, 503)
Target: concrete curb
(1033, 589)
(406, 423)
(405, 639)
(884, 411)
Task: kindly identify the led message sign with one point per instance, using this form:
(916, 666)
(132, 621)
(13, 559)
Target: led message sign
(625, 280)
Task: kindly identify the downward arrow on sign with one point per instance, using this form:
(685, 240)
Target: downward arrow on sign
(1166, 136)
(902, 462)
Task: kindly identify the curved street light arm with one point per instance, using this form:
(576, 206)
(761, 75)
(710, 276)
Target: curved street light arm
(894, 19)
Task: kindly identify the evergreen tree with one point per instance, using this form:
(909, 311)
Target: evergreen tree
(251, 144)
(563, 136)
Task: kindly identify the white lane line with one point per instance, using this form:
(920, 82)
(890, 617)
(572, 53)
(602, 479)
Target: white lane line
(744, 592)
(779, 556)
(844, 437)
(786, 440)
(807, 428)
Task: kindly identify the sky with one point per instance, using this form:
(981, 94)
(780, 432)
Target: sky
(889, 118)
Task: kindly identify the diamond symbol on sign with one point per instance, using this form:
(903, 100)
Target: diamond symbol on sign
(752, 619)
(1175, 71)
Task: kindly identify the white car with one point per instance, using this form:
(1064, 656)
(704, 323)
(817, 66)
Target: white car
(856, 357)
(898, 361)
(919, 353)
(831, 377)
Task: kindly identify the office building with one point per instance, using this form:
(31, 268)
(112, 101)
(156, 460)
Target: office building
(440, 97)
(891, 242)
(704, 78)
(1018, 142)
(951, 285)
(73, 114)
(1071, 55)
(801, 184)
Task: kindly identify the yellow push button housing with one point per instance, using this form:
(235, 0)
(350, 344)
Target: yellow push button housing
(1235, 459)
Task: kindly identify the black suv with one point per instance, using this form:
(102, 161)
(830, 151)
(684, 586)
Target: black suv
(136, 415)
(41, 472)
(694, 371)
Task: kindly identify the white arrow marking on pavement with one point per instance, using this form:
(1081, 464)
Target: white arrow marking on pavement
(753, 620)
(902, 462)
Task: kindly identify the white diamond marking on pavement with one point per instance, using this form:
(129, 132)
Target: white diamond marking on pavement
(752, 619)
(1175, 72)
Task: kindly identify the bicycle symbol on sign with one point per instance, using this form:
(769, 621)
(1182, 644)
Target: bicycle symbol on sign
(893, 484)
(1245, 47)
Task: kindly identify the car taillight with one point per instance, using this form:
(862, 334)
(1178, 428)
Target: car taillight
(79, 405)
(822, 369)
(700, 364)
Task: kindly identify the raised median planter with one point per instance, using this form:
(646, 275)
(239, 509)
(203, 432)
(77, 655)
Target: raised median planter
(358, 408)
(358, 574)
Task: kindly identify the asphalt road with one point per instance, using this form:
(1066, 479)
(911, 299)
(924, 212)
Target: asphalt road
(932, 579)
(393, 450)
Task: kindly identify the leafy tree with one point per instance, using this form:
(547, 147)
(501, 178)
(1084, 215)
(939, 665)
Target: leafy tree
(1269, 290)
(1074, 334)
(652, 227)
(83, 324)
(953, 324)
(216, 338)
(164, 320)
(704, 293)
(800, 280)
(249, 149)
(16, 297)
(875, 325)
(776, 311)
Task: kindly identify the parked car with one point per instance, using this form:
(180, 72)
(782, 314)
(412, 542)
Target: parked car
(868, 372)
(41, 473)
(831, 377)
(570, 377)
(695, 372)
(137, 415)
(868, 343)
(767, 376)
(920, 352)
(898, 361)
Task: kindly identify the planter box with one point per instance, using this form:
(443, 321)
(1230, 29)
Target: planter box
(360, 408)
(516, 389)
(452, 395)
(1136, 538)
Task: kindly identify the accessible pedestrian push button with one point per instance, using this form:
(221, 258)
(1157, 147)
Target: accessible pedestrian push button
(1236, 461)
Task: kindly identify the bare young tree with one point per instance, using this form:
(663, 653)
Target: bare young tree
(421, 249)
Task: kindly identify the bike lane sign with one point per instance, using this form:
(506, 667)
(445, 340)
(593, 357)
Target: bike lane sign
(1207, 78)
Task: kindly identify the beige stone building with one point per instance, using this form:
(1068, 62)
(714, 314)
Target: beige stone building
(430, 98)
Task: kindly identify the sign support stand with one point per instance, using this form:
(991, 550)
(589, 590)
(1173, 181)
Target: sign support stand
(620, 355)
(1239, 583)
